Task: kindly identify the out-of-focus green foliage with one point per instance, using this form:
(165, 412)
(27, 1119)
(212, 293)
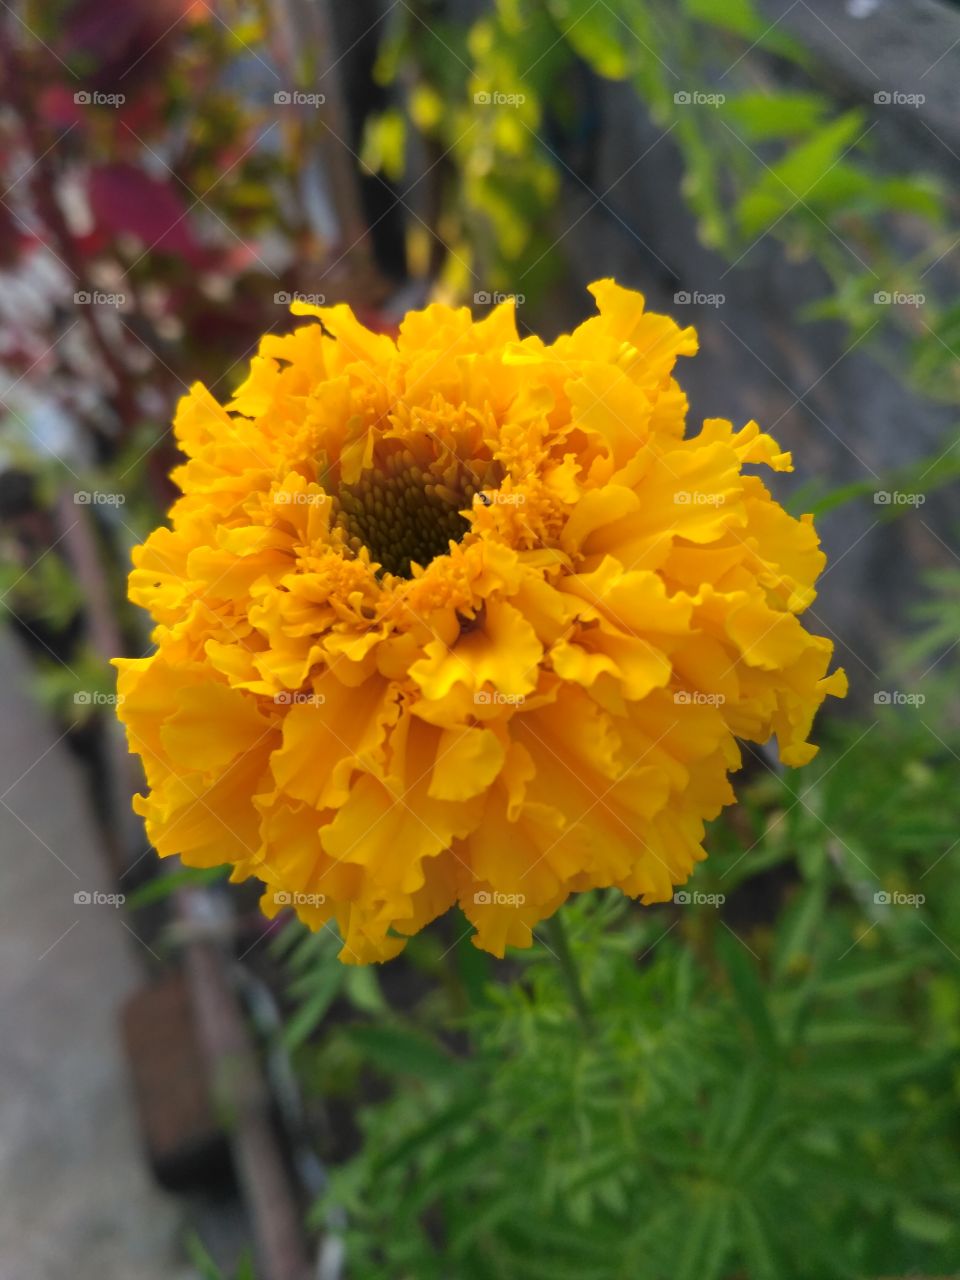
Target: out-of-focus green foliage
(316, 978)
(77, 692)
(43, 590)
(208, 1269)
(765, 151)
(925, 476)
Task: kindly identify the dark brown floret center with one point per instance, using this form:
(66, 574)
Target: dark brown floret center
(406, 513)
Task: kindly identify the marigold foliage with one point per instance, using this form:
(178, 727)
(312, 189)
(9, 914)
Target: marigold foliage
(459, 617)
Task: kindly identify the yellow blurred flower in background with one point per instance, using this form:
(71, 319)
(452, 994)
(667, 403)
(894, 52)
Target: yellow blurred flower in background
(460, 617)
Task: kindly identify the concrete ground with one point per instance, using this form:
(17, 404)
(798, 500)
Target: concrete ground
(76, 1198)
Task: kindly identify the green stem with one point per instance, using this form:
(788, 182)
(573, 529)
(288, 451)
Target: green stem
(559, 944)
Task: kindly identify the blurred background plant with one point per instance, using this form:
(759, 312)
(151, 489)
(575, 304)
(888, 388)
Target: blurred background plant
(767, 1083)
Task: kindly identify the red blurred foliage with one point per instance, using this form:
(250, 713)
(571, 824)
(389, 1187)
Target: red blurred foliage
(150, 214)
(120, 44)
(125, 199)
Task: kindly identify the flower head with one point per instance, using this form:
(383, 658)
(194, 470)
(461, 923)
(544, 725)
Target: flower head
(460, 617)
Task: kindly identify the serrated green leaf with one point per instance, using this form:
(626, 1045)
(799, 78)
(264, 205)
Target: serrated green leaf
(159, 889)
(925, 1224)
(704, 1247)
(758, 117)
(323, 991)
(748, 989)
(810, 173)
(400, 1052)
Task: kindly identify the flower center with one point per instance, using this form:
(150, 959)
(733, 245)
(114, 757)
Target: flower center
(407, 511)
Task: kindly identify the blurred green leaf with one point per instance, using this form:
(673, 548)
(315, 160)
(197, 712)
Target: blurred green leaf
(163, 886)
(395, 1050)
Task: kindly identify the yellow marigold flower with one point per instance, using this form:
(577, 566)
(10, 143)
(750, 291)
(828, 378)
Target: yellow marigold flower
(460, 617)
